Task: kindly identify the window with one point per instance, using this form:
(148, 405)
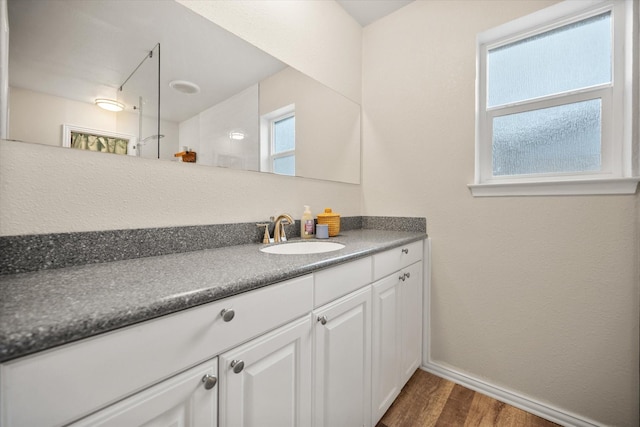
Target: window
(283, 145)
(278, 141)
(554, 103)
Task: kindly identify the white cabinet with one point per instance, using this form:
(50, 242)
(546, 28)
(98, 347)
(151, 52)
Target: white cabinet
(59, 382)
(188, 399)
(267, 382)
(129, 360)
(342, 361)
(397, 327)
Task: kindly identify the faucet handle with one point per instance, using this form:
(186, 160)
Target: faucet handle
(266, 239)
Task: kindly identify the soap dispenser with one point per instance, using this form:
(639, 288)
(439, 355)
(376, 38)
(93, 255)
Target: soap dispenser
(307, 224)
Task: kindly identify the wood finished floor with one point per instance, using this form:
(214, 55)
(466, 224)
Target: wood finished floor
(428, 400)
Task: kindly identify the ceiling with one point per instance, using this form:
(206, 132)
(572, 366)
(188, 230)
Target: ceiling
(368, 11)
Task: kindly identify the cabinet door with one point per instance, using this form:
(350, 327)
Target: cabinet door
(267, 382)
(397, 335)
(386, 343)
(343, 361)
(411, 321)
(187, 399)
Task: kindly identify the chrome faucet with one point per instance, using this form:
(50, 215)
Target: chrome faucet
(278, 229)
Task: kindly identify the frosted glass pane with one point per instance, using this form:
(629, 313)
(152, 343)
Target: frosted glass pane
(571, 57)
(285, 165)
(557, 139)
(284, 135)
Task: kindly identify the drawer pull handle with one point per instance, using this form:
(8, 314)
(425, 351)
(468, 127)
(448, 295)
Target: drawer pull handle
(209, 381)
(237, 365)
(405, 251)
(322, 320)
(227, 314)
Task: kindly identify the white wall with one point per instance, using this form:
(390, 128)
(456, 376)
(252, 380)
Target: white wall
(537, 295)
(48, 189)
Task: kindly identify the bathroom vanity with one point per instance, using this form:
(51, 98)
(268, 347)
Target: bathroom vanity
(251, 339)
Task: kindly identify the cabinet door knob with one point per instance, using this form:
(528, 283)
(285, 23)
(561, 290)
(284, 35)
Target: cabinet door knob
(405, 250)
(209, 381)
(407, 275)
(237, 365)
(402, 277)
(322, 320)
(227, 314)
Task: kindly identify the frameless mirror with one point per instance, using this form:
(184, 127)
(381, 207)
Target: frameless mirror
(191, 91)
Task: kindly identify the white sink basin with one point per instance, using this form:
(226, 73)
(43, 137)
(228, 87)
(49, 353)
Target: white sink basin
(302, 248)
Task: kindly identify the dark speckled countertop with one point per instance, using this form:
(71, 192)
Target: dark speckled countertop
(44, 309)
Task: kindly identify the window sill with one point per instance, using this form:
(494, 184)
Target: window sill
(557, 188)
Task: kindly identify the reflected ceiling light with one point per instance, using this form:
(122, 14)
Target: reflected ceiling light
(184, 86)
(236, 135)
(109, 104)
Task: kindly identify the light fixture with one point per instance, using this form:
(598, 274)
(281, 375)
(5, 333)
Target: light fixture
(109, 104)
(184, 86)
(236, 135)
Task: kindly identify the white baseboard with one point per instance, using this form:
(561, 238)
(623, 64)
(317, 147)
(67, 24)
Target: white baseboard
(511, 398)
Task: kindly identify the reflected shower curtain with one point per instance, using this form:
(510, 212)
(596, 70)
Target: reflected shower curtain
(103, 144)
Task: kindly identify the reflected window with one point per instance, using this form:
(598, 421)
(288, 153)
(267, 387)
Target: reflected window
(283, 145)
(280, 145)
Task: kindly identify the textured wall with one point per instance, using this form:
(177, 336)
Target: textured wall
(48, 189)
(51, 190)
(536, 295)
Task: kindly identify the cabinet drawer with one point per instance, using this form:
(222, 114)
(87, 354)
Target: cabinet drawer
(395, 259)
(61, 383)
(335, 282)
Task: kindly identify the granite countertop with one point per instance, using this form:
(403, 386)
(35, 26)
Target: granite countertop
(44, 309)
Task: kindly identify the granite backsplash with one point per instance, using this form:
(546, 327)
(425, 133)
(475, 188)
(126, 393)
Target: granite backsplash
(26, 253)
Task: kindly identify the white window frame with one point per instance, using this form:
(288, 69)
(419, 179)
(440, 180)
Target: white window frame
(619, 174)
(267, 138)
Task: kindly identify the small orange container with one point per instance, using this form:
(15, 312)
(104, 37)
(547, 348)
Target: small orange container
(332, 220)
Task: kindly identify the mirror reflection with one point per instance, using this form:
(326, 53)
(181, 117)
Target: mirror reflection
(189, 91)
